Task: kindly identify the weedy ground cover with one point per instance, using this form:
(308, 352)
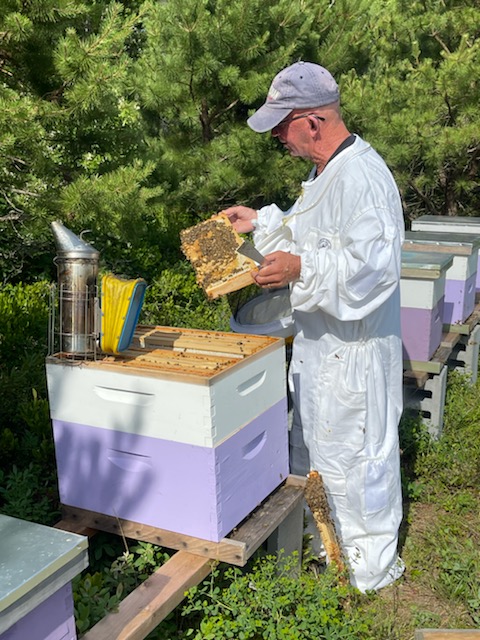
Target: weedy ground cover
(440, 536)
(440, 543)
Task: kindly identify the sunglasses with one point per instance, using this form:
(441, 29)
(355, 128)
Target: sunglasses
(302, 115)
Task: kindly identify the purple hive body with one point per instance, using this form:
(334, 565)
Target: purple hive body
(421, 332)
(199, 491)
(459, 300)
(51, 620)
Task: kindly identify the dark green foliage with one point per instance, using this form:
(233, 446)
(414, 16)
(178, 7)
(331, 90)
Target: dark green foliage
(30, 493)
(174, 299)
(102, 587)
(272, 601)
(127, 119)
(416, 100)
(24, 414)
(27, 465)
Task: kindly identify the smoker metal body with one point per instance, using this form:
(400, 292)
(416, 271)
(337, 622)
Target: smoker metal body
(77, 269)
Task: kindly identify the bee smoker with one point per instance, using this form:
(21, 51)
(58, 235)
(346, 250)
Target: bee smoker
(77, 269)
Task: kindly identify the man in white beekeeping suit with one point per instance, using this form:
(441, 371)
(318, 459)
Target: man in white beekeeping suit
(339, 250)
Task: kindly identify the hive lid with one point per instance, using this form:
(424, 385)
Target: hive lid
(456, 243)
(31, 553)
(425, 265)
(269, 313)
(439, 221)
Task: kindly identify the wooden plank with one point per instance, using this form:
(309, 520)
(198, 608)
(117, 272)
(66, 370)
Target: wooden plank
(415, 378)
(226, 550)
(153, 369)
(75, 527)
(447, 634)
(288, 537)
(236, 549)
(152, 601)
(317, 500)
(410, 244)
(420, 274)
(450, 339)
(143, 609)
(430, 366)
(263, 522)
(231, 345)
(153, 343)
(466, 327)
(201, 341)
(179, 360)
(434, 365)
(296, 481)
(452, 334)
(181, 355)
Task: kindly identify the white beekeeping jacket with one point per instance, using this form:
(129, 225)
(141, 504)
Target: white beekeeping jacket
(346, 369)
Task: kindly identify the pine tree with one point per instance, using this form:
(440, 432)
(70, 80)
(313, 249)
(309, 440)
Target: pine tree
(70, 130)
(205, 66)
(417, 100)
(129, 118)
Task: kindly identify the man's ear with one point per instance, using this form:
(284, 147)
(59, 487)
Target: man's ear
(314, 124)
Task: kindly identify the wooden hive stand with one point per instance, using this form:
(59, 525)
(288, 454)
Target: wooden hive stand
(278, 521)
(465, 351)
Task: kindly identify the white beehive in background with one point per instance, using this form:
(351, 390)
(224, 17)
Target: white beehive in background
(422, 292)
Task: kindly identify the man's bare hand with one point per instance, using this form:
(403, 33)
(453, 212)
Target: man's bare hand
(241, 218)
(278, 269)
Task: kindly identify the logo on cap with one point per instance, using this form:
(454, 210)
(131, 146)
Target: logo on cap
(273, 94)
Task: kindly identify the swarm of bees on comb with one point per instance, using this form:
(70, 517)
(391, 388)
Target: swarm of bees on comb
(211, 248)
(316, 499)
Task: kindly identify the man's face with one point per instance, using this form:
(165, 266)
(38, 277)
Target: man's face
(294, 132)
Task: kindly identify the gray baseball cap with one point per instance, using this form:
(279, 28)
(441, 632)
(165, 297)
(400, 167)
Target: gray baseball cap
(303, 85)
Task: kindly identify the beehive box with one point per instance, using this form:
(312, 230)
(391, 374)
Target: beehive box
(185, 431)
(211, 247)
(460, 277)
(469, 225)
(37, 564)
(422, 292)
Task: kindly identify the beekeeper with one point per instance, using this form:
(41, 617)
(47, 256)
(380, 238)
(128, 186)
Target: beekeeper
(339, 249)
